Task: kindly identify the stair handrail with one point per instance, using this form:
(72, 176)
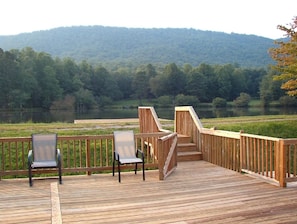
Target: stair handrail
(154, 118)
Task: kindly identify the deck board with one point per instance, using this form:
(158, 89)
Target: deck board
(197, 192)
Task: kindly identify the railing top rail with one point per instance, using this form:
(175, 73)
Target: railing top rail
(7, 139)
(83, 137)
(289, 141)
(165, 137)
(260, 137)
(221, 133)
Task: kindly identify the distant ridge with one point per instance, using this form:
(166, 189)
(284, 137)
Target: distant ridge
(135, 46)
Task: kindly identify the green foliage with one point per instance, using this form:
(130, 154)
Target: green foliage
(165, 101)
(271, 125)
(288, 101)
(286, 57)
(67, 103)
(279, 129)
(219, 102)
(243, 100)
(104, 101)
(123, 47)
(186, 100)
(175, 80)
(36, 80)
(84, 99)
(197, 84)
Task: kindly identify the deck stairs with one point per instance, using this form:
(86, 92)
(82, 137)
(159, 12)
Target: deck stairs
(186, 150)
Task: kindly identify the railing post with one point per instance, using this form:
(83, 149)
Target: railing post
(88, 156)
(242, 155)
(282, 164)
(161, 160)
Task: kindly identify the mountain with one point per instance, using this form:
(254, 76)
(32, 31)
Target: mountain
(134, 46)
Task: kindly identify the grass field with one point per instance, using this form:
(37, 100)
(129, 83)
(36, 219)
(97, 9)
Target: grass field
(284, 126)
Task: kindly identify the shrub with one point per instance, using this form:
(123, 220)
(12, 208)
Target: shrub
(186, 100)
(219, 102)
(165, 101)
(243, 100)
(288, 101)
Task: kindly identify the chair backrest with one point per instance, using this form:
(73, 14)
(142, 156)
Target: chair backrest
(44, 147)
(124, 144)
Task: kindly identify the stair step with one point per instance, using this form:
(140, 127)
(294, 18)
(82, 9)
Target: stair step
(186, 150)
(186, 147)
(183, 139)
(189, 156)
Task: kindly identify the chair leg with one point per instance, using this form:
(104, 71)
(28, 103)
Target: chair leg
(135, 168)
(143, 175)
(30, 176)
(119, 170)
(60, 174)
(113, 164)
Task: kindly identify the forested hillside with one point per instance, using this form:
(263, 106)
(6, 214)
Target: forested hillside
(118, 47)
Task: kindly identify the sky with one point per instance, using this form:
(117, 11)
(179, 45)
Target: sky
(257, 17)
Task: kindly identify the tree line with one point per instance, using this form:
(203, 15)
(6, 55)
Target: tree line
(30, 79)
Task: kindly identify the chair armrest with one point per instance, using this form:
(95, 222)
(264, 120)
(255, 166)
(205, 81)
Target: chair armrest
(58, 155)
(116, 156)
(141, 152)
(30, 156)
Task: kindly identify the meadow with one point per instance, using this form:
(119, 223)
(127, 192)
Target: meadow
(281, 126)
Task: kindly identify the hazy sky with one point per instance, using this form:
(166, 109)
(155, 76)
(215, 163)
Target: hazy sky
(259, 17)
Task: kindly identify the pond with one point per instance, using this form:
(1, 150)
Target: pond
(166, 113)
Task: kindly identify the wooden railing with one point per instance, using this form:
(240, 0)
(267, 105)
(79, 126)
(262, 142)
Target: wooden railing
(260, 155)
(168, 155)
(288, 158)
(166, 152)
(274, 159)
(221, 148)
(187, 123)
(149, 121)
(79, 153)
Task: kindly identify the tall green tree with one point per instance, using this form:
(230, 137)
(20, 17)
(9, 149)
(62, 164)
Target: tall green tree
(175, 80)
(49, 87)
(286, 57)
(140, 85)
(67, 73)
(224, 81)
(102, 85)
(253, 79)
(123, 78)
(7, 67)
(197, 85)
(158, 85)
(211, 82)
(238, 82)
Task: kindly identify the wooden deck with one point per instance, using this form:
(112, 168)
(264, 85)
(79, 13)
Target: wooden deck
(197, 192)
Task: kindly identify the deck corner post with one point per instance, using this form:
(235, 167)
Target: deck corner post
(241, 160)
(282, 164)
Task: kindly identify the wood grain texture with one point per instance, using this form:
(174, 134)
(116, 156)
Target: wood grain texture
(197, 192)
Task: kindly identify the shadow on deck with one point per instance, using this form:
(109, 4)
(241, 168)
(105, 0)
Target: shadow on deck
(197, 192)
